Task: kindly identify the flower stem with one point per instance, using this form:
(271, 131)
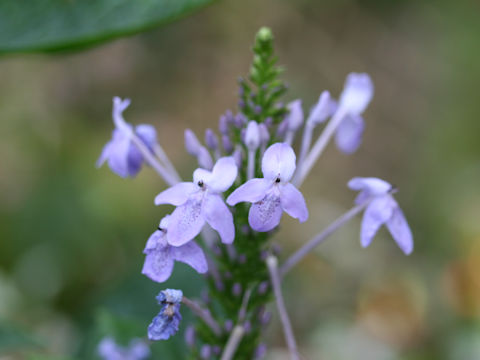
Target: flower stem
(251, 164)
(272, 264)
(319, 238)
(162, 155)
(152, 161)
(203, 314)
(318, 147)
(306, 142)
(233, 342)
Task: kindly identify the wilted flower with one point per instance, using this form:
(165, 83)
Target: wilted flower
(123, 157)
(383, 209)
(160, 256)
(199, 202)
(137, 349)
(166, 323)
(273, 194)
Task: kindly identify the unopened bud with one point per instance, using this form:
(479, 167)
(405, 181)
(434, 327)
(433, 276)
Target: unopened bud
(323, 109)
(295, 115)
(191, 143)
(252, 136)
(211, 139)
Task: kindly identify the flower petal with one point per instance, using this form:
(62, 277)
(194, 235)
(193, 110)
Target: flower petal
(186, 222)
(224, 174)
(134, 160)
(278, 161)
(147, 134)
(191, 254)
(158, 264)
(117, 153)
(370, 186)
(265, 214)
(376, 214)
(252, 191)
(401, 233)
(349, 133)
(163, 326)
(219, 217)
(176, 195)
(357, 93)
(293, 202)
(324, 108)
(153, 241)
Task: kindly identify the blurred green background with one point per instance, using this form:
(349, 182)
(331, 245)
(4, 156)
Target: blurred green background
(72, 236)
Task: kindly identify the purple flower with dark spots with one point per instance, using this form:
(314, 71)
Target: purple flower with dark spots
(356, 95)
(122, 156)
(274, 193)
(200, 201)
(166, 323)
(383, 209)
(137, 349)
(160, 255)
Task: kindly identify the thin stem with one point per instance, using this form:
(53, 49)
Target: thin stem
(251, 164)
(272, 264)
(243, 309)
(306, 142)
(203, 314)
(318, 147)
(233, 342)
(162, 155)
(289, 137)
(321, 237)
(152, 161)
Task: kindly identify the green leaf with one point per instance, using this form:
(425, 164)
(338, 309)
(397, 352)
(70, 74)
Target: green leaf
(51, 25)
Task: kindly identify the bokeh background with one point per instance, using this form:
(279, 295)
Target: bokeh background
(72, 235)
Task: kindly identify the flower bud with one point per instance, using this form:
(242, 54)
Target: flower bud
(211, 139)
(191, 143)
(252, 136)
(295, 115)
(190, 336)
(205, 352)
(204, 158)
(227, 144)
(357, 93)
(264, 134)
(324, 108)
(237, 289)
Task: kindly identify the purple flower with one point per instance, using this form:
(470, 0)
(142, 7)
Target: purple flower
(324, 108)
(160, 256)
(108, 349)
(166, 323)
(123, 157)
(356, 95)
(200, 201)
(383, 209)
(273, 194)
(195, 148)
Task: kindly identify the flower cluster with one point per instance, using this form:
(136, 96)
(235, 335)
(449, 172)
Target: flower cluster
(252, 161)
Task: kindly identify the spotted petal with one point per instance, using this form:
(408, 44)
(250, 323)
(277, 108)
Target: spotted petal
(265, 214)
(176, 195)
(278, 161)
(158, 264)
(185, 223)
(293, 202)
(252, 191)
(219, 217)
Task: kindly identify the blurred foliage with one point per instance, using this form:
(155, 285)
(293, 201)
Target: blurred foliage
(72, 235)
(48, 25)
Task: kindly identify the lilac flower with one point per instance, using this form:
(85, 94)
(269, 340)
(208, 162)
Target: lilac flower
(199, 202)
(108, 349)
(123, 157)
(195, 148)
(272, 194)
(356, 95)
(383, 209)
(165, 324)
(160, 256)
